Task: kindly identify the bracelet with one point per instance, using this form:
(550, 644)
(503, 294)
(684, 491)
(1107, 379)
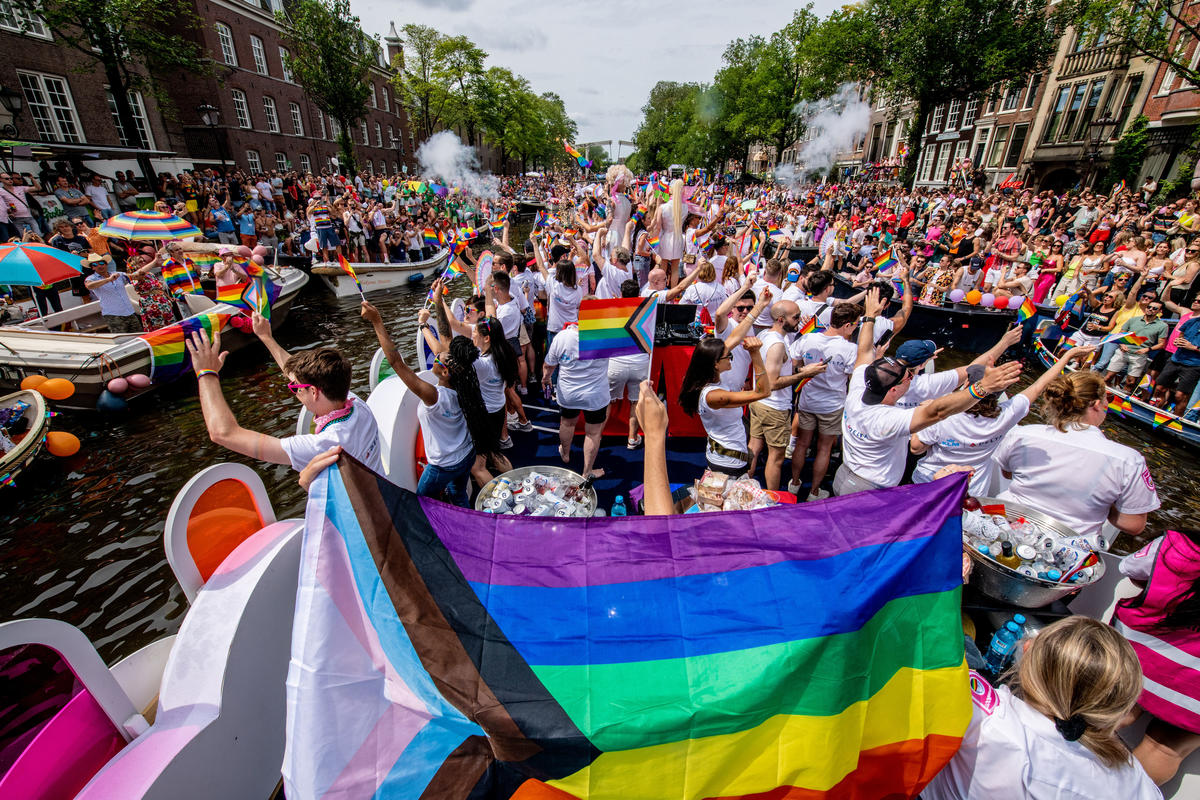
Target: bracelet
(201, 373)
(978, 395)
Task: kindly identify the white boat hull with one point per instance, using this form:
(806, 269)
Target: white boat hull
(377, 277)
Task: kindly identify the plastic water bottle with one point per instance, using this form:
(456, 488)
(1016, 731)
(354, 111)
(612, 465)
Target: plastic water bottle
(1020, 620)
(1000, 650)
(618, 507)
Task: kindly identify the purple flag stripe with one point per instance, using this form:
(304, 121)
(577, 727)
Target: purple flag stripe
(551, 552)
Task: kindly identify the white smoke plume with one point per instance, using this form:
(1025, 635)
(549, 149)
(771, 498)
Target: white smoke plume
(834, 125)
(444, 158)
(788, 176)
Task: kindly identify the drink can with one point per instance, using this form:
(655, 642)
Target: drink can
(518, 509)
(1026, 553)
(1027, 571)
(1066, 557)
(502, 495)
(562, 511)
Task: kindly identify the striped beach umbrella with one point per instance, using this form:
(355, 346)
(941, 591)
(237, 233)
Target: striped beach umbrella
(36, 264)
(141, 226)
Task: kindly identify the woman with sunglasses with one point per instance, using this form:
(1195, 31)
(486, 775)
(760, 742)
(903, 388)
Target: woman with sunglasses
(453, 418)
(720, 409)
(1049, 271)
(1181, 288)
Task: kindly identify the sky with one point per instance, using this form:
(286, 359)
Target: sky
(602, 58)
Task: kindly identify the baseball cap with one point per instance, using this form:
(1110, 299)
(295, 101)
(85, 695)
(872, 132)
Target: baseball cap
(881, 375)
(225, 251)
(915, 352)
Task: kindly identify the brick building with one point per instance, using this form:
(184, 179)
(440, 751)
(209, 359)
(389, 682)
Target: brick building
(1173, 110)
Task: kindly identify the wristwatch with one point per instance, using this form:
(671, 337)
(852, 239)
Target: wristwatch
(868, 319)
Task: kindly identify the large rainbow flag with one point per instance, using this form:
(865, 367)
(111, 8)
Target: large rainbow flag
(619, 326)
(168, 357)
(805, 652)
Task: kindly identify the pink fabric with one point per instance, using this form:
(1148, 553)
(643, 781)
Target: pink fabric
(1171, 347)
(1042, 287)
(65, 754)
(251, 546)
(141, 764)
(1176, 567)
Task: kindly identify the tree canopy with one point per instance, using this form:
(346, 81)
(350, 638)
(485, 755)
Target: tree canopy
(1158, 30)
(331, 58)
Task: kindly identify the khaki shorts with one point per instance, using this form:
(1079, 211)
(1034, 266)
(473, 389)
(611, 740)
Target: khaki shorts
(770, 424)
(523, 336)
(827, 424)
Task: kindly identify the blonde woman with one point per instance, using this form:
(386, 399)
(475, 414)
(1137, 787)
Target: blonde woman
(1053, 732)
(669, 228)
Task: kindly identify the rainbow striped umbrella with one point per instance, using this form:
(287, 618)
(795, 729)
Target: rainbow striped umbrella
(36, 264)
(141, 226)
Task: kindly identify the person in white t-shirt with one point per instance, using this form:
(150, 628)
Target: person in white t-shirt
(1051, 734)
(771, 280)
(819, 404)
(732, 324)
(1071, 471)
(703, 392)
(452, 413)
(319, 379)
(613, 271)
(970, 438)
(625, 376)
(564, 293)
(875, 433)
(706, 292)
(582, 389)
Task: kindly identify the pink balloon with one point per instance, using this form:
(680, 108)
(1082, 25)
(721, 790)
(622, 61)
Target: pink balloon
(257, 259)
(139, 381)
(260, 250)
(957, 295)
(118, 386)
(244, 251)
(987, 300)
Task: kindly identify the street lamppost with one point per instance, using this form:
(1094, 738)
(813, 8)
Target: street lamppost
(211, 117)
(13, 101)
(1096, 137)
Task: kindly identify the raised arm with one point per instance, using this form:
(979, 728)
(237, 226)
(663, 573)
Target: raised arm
(721, 319)
(906, 302)
(722, 398)
(994, 379)
(652, 414)
(426, 391)
(680, 287)
(1036, 388)
(736, 336)
(866, 332)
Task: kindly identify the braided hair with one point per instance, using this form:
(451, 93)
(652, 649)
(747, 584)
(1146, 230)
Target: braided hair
(501, 351)
(465, 382)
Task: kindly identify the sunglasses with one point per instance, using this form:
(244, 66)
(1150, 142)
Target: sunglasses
(743, 309)
(295, 388)
(726, 357)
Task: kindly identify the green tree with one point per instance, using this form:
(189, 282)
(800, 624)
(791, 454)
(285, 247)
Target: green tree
(501, 95)
(332, 59)
(1128, 153)
(1158, 30)
(667, 116)
(459, 73)
(130, 40)
(929, 53)
(420, 82)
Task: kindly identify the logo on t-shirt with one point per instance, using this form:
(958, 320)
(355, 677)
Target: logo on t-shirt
(983, 695)
(1148, 479)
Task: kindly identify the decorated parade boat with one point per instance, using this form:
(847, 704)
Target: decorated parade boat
(377, 277)
(24, 422)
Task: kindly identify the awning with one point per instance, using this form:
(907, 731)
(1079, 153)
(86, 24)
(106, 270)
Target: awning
(51, 150)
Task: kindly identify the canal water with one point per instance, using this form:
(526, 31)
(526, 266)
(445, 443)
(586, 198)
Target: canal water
(81, 538)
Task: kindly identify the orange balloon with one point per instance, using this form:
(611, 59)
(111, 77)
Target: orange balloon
(33, 381)
(56, 389)
(973, 297)
(62, 444)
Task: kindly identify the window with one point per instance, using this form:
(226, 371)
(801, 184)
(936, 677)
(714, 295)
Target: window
(335, 128)
(889, 136)
(241, 108)
(51, 106)
(382, 167)
(387, 104)
(1135, 86)
(971, 112)
(305, 163)
(991, 103)
(998, 144)
(943, 162)
(939, 115)
(260, 55)
(378, 135)
(1060, 104)
(1167, 82)
(1035, 81)
(1012, 96)
(139, 119)
(297, 120)
(272, 116)
(1089, 110)
(1015, 145)
(281, 162)
(225, 37)
(253, 161)
(395, 168)
(363, 130)
(960, 151)
(1072, 112)
(391, 140)
(926, 163)
(17, 19)
(374, 99)
(284, 55)
(952, 116)
(982, 136)
(320, 125)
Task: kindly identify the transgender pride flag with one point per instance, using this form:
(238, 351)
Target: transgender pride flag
(809, 651)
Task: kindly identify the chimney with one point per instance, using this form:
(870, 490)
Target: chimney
(395, 50)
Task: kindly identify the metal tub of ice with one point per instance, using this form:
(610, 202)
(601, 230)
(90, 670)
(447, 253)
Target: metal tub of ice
(1007, 585)
(538, 492)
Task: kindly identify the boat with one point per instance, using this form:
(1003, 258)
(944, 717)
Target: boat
(530, 206)
(972, 329)
(214, 693)
(31, 437)
(377, 277)
(89, 357)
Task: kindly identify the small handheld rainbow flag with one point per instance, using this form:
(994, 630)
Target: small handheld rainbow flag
(1115, 407)
(498, 227)
(619, 326)
(578, 156)
(639, 213)
(1026, 311)
(231, 293)
(1162, 419)
(349, 270)
(1124, 337)
(431, 237)
(811, 326)
(652, 241)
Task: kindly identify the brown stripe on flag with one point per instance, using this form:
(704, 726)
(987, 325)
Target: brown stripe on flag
(461, 770)
(437, 645)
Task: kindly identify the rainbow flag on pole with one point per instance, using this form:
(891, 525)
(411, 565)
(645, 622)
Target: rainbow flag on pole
(620, 326)
(650, 657)
(432, 238)
(886, 260)
(168, 357)
(1027, 310)
(349, 270)
(1124, 337)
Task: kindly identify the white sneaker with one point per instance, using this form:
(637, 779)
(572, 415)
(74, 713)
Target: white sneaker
(794, 488)
(523, 390)
(506, 443)
(817, 494)
(523, 427)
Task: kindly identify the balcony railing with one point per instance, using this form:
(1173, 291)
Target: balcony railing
(1094, 59)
